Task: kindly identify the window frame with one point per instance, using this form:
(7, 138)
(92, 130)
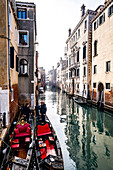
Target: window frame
(110, 10)
(23, 10)
(22, 69)
(106, 86)
(12, 95)
(108, 66)
(23, 31)
(94, 87)
(95, 69)
(95, 48)
(78, 56)
(84, 52)
(84, 71)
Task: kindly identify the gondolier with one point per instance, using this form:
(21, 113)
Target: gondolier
(43, 110)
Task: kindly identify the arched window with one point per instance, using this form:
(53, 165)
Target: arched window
(23, 66)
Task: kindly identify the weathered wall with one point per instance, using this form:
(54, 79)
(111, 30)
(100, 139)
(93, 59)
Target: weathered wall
(26, 87)
(3, 45)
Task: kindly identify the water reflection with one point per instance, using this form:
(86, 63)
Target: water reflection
(88, 133)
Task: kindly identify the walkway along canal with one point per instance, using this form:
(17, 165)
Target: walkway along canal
(85, 133)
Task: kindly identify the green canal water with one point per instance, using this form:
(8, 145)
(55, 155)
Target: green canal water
(85, 133)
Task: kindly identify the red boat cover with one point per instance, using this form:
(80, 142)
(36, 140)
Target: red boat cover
(43, 130)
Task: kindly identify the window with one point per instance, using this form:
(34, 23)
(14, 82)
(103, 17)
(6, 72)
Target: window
(77, 56)
(12, 57)
(23, 38)
(84, 73)
(75, 72)
(12, 95)
(76, 35)
(108, 86)
(107, 66)
(22, 13)
(85, 25)
(16, 63)
(101, 19)
(95, 69)
(84, 52)
(23, 66)
(95, 48)
(78, 72)
(10, 20)
(94, 85)
(95, 25)
(69, 61)
(79, 33)
(70, 74)
(110, 10)
(15, 34)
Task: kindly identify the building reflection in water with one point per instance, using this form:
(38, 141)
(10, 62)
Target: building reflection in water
(89, 134)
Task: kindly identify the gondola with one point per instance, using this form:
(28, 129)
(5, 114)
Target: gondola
(79, 101)
(47, 147)
(21, 147)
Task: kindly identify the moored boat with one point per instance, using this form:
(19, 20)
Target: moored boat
(21, 147)
(79, 101)
(47, 147)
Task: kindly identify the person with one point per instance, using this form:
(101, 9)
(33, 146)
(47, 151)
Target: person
(26, 111)
(43, 110)
(37, 108)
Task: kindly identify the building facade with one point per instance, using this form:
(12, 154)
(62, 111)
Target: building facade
(26, 19)
(102, 60)
(8, 60)
(79, 55)
(42, 77)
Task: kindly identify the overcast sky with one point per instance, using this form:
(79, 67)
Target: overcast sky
(54, 18)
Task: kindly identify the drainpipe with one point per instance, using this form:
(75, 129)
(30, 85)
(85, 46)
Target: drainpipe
(9, 44)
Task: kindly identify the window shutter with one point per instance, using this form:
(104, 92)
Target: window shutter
(108, 11)
(16, 63)
(12, 57)
(25, 13)
(104, 17)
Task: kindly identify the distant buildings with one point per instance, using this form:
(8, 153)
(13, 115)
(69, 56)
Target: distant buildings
(79, 55)
(87, 71)
(42, 77)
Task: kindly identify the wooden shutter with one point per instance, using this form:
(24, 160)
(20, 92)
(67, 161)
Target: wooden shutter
(12, 57)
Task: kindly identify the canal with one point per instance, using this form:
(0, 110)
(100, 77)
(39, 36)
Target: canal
(85, 133)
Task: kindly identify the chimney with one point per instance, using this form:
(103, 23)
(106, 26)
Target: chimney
(83, 10)
(105, 1)
(69, 31)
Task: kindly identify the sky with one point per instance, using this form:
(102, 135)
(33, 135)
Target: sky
(54, 18)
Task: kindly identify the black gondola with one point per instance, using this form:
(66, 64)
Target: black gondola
(21, 147)
(47, 147)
